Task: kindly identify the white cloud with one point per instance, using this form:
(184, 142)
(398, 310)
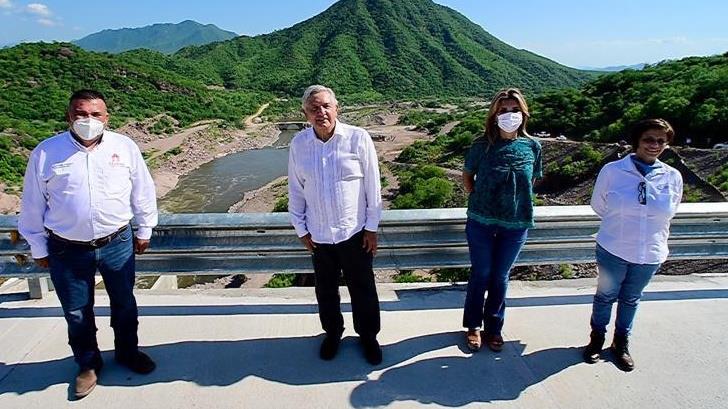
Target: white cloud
(38, 9)
(5, 4)
(46, 22)
(42, 15)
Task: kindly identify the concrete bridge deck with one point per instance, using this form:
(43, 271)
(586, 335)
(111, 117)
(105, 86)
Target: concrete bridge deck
(259, 349)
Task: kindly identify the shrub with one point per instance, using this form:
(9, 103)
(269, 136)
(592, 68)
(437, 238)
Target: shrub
(430, 193)
(175, 151)
(452, 275)
(720, 179)
(281, 204)
(281, 280)
(692, 194)
(566, 270)
(407, 276)
(28, 142)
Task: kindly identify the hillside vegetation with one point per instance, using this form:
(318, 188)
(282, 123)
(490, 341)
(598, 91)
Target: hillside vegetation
(364, 49)
(37, 79)
(691, 93)
(381, 48)
(431, 174)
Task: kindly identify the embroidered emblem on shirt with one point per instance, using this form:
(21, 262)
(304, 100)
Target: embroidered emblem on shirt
(116, 161)
(62, 165)
(63, 168)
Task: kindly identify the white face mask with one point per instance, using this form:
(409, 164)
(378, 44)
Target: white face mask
(88, 129)
(510, 121)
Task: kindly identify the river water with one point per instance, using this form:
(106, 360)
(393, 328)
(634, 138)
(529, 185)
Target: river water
(219, 184)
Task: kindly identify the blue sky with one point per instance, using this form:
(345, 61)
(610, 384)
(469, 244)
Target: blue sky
(575, 33)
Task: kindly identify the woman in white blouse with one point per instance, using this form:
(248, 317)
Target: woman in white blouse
(636, 197)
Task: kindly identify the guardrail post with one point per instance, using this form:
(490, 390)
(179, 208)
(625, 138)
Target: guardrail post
(39, 287)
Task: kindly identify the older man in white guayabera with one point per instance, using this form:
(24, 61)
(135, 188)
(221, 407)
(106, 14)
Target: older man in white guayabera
(82, 188)
(335, 204)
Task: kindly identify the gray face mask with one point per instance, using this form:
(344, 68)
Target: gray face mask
(88, 129)
(510, 121)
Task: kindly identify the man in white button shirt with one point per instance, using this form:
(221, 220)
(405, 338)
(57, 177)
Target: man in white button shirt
(82, 188)
(335, 204)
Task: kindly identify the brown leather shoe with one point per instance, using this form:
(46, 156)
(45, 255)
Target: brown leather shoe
(472, 339)
(85, 382)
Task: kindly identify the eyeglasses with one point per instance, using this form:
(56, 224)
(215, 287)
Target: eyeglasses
(652, 141)
(642, 193)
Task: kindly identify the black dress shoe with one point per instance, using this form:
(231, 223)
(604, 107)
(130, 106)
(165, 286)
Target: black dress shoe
(372, 351)
(329, 347)
(138, 362)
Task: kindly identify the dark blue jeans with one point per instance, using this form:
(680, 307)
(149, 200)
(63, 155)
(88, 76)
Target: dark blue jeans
(72, 269)
(493, 250)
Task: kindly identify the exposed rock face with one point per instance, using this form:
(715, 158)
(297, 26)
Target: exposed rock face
(9, 204)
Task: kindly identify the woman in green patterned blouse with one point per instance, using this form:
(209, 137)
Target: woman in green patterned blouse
(499, 172)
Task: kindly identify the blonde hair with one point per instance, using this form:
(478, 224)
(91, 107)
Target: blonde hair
(492, 132)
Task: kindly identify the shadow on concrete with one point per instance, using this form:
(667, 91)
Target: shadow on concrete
(293, 361)
(11, 297)
(409, 300)
(457, 381)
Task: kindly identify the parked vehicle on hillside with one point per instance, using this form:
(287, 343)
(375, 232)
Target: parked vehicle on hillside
(720, 146)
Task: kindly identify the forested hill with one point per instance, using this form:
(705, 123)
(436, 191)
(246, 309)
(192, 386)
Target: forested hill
(364, 49)
(375, 48)
(36, 80)
(166, 38)
(691, 93)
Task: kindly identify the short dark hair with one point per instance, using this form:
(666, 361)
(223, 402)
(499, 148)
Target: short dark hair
(85, 94)
(640, 127)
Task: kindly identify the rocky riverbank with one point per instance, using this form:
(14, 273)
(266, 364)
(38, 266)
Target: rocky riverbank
(389, 140)
(9, 203)
(172, 156)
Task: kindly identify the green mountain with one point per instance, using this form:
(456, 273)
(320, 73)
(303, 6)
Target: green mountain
(692, 94)
(364, 49)
(378, 48)
(166, 38)
(36, 80)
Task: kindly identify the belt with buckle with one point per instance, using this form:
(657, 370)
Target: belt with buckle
(95, 243)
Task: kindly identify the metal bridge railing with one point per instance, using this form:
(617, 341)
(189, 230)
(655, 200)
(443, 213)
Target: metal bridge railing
(266, 243)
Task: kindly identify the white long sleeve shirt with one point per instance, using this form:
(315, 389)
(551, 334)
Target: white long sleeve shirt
(333, 187)
(84, 194)
(632, 231)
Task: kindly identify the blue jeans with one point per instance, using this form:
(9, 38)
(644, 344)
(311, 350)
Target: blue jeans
(72, 268)
(493, 250)
(621, 281)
